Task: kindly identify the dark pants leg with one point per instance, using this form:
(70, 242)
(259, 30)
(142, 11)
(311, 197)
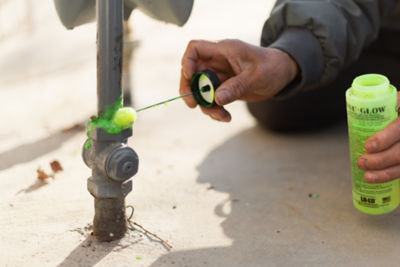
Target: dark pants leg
(322, 107)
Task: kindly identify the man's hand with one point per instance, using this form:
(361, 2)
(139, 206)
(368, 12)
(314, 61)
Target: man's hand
(382, 160)
(246, 72)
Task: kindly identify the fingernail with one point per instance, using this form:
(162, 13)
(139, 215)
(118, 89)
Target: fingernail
(226, 118)
(185, 75)
(214, 117)
(371, 177)
(362, 163)
(223, 97)
(371, 146)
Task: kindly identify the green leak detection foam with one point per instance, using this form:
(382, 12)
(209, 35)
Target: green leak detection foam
(125, 117)
(114, 119)
(371, 106)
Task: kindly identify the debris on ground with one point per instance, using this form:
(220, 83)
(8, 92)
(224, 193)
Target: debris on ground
(312, 195)
(210, 187)
(87, 244)
(56, 166)
(42, 175)
(84, 231)
(147, 232)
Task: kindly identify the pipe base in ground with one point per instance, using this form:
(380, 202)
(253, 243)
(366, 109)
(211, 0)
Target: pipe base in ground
(109, 222)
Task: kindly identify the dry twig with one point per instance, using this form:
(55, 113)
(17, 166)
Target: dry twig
(164, 242)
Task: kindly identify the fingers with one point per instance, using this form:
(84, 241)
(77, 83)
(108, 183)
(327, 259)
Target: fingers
(381, 176)
(381, 160)
(382, 166)
(184, 88)
(385, 138)
(217, 113)
(195, 51)
(230, 90)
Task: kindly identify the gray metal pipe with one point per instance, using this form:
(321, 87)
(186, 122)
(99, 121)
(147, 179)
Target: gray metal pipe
(109, 51)
(112, 162)
(109, 221)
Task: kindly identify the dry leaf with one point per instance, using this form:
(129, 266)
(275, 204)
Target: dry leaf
(42, 175)
(56, 166)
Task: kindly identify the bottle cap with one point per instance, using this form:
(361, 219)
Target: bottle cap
(370, 85)
(203, 85)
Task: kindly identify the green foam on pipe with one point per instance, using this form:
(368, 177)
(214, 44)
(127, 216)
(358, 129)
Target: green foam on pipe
(114, 119)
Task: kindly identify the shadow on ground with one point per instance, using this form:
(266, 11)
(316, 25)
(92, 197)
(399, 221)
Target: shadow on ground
(30, 151)
(269, 215)
(88, 253)
(33, 187)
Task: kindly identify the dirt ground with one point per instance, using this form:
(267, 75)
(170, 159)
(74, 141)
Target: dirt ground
(220, 194)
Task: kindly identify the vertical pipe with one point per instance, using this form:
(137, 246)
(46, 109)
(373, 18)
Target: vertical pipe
(109, 51)
(110, 220)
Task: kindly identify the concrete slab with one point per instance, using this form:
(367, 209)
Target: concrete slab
(221, 194)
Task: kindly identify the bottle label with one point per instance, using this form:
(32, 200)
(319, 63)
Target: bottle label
(364, 121)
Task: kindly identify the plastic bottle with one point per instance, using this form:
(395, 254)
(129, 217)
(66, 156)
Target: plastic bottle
(371, 106)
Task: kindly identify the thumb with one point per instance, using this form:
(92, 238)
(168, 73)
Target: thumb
(230, 90)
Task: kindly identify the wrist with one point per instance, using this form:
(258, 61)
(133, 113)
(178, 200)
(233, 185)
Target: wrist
(305, 49)
(290, 68)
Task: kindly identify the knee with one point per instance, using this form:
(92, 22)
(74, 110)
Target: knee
(271, 117)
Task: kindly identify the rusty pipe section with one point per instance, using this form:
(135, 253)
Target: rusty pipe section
(113, 163)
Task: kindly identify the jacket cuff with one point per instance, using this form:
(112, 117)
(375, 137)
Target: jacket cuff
(306, 50)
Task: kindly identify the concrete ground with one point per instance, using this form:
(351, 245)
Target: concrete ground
(221, 194)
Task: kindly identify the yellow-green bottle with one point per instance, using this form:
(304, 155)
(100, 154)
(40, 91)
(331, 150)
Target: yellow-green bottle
(371, 106)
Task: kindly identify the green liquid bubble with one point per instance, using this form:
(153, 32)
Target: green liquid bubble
(371, 106)
(107, 122)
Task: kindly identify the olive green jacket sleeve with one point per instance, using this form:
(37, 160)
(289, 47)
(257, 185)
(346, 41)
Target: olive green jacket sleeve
(323, 36)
